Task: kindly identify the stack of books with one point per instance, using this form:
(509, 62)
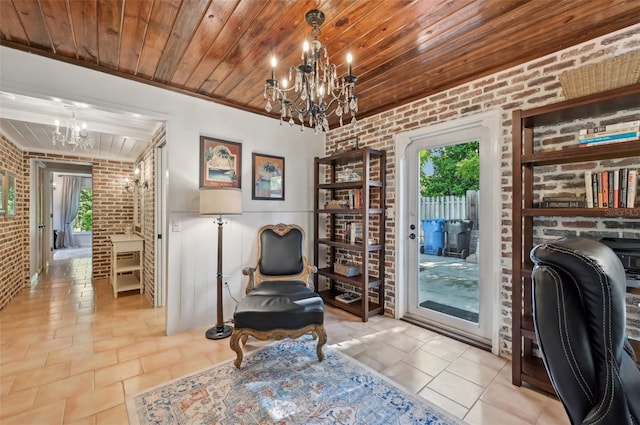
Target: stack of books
(611, 188)
(355, 198)
(613, 133)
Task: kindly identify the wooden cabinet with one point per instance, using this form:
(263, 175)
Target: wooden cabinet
(355, 178)
(529, 155)
(127, 263)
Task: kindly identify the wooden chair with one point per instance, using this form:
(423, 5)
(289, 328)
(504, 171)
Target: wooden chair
(280, 301)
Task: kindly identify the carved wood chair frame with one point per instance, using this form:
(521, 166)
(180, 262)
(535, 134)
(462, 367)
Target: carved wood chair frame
(255, 278)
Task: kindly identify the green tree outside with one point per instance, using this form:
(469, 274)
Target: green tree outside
(456, 169)
(84, 219)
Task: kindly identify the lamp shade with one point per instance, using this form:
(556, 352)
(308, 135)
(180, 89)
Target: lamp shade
(220, 201)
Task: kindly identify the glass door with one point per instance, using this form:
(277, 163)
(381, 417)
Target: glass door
(448, 286)
(448, 270)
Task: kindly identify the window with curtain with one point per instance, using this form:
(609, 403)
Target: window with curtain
(84, 218)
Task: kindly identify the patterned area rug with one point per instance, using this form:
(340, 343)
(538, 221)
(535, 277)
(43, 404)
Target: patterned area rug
(284, 384)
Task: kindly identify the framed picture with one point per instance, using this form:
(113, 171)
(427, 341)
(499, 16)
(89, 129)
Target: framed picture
(268, 177)
(11, 195)
(220, 163)
(2, 202)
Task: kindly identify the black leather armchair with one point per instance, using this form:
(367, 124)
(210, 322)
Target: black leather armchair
(579, 315)
(280, 301)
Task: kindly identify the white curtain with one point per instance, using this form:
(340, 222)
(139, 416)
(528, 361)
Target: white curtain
(70, 203)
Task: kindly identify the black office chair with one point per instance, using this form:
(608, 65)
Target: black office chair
(280, 301)
(579, 289)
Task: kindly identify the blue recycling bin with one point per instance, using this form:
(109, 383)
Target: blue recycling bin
(433, 230)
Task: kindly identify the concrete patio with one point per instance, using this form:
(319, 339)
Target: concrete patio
(449, 281)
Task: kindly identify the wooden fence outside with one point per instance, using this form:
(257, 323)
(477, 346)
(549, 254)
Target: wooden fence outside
(451, 207)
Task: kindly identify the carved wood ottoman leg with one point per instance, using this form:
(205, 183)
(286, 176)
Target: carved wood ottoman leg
(322, 339)
(235, 346)
(244, 339)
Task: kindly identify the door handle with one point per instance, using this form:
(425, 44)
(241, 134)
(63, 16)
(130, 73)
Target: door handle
(41, 226)
(412, 236)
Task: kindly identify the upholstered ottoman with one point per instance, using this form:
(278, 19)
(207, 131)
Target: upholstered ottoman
(276, 310)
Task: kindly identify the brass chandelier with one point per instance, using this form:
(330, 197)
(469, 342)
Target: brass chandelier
(316, 88)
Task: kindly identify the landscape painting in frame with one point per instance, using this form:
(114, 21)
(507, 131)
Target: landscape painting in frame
(220, 163)
(268, 177)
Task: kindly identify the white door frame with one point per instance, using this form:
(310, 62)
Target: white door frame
(160, 232)
(489, 124)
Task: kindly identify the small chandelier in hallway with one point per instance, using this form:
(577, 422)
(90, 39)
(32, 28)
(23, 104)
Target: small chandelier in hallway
(316, 88)
(74, 135)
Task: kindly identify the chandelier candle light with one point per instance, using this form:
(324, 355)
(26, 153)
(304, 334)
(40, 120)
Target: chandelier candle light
(74, 135)
(130, 186)
(316, 88)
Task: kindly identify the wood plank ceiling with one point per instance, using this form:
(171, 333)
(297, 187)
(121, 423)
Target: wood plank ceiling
(220, 49)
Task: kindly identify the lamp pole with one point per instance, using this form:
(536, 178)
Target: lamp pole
(220, 330)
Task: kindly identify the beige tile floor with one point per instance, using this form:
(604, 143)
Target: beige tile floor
(70, 353)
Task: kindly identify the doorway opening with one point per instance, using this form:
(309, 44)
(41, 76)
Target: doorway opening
(447, 198)
(448, 275)
(72, 215)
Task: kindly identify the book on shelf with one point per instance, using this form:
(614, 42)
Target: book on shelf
(599, 190)
(356, 233)
(605, 189)
(592, 136)
(633, 125)
(594, 189)
(624, 176)
(609, 189)
(612, 138)
(616, 188)
(632, 188)
(588, 188)
(355, 198)
(347, 232)
(348, 297)
(563, 202)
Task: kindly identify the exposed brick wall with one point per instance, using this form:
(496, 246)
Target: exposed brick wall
(112, 207)
(522, 87)
(149, 216)
(112, 210)
(14, 266)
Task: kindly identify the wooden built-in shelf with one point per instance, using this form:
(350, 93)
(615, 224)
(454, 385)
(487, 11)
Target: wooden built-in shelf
(330, 247)
(613, 213)
(576, 154)
(349, 211)
(349, 185)
(630, 289)
(354, 308)
(527, 154)
(348, 245)
(359, 280)
(594, 105)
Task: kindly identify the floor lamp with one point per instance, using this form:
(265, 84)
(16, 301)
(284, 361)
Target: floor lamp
(220, 202)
